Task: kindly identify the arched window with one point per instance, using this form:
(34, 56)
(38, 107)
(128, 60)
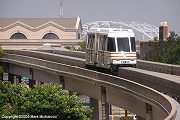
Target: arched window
(50, 36)
(18, 36)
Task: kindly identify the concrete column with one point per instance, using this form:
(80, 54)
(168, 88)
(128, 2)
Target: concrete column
(100, 107)
(18, 79)
(105, 106)
(96, 105)
(12, 78)
(1, 76)
(31, 83)
(149, 112)
(31, 80)
(62, 82)
(110, 109)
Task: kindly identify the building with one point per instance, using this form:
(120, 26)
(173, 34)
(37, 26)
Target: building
(37, 31)
(163, 31)
(148, 45)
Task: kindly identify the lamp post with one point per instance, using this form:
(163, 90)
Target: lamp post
(17, 93)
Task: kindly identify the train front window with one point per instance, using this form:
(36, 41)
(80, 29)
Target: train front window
(111, 44)
(133, 44)
(123, 44)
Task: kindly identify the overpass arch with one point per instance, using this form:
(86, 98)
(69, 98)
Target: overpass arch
(148, 30)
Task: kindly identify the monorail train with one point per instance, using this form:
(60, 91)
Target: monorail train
(110, 48)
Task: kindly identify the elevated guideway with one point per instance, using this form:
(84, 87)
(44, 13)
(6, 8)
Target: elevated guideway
(165, 81)
(80, 55)
(169, 84)
(137, 98)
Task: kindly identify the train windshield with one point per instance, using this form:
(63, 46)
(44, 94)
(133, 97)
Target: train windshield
(111, 44)
(123, 44)
(133, 46)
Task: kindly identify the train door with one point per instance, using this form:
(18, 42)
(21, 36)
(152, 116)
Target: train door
(90, 49)
(96, 56)
(102, 50)
(111, 47)
(106, 53)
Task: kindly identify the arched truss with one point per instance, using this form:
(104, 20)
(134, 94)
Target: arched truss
(150, 31)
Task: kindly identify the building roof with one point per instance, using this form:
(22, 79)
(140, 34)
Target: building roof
(36, 22)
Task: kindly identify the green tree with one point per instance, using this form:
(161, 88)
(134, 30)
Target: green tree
(82, 46)
(46, 99)
(166, 51)
(1, 54)
(10, 97)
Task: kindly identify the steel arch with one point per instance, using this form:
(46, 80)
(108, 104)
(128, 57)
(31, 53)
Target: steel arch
(150, 31)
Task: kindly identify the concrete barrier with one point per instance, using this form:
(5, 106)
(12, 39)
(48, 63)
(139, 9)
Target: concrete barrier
(159, 67)
(65, 59)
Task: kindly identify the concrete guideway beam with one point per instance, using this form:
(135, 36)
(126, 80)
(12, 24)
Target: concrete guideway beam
(159, 102)
(165, 83)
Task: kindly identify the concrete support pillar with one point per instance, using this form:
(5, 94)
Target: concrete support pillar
(31, 80)
(105, 106)
(126, 113)
(1, 76)
(149, 112)
(18, 79)
(100, 107)
(12, 78)
(96, 105)
(31, 83)
(110, 109)
(62, 82)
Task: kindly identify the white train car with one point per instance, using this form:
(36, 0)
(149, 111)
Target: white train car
(110, 48)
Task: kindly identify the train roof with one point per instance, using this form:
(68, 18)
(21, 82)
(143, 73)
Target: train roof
(113, 32)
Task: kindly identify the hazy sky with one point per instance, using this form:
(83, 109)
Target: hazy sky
(149, 11)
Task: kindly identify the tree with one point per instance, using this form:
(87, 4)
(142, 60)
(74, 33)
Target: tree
(82, 46)
(166, 51)
(46, 99)
(1, 54)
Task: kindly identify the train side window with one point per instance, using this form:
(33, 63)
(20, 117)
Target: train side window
(90, 41)
(104, 42)
(133, 44)
(111, 44)
(100, 42)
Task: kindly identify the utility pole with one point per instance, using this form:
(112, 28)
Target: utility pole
(61, 8)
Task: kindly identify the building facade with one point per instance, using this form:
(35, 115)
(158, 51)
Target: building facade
(163, 31)
(40, 29)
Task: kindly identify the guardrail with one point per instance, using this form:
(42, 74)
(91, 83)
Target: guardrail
(60, 58)
(71, 53)
(141, 92)
(159, 67)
